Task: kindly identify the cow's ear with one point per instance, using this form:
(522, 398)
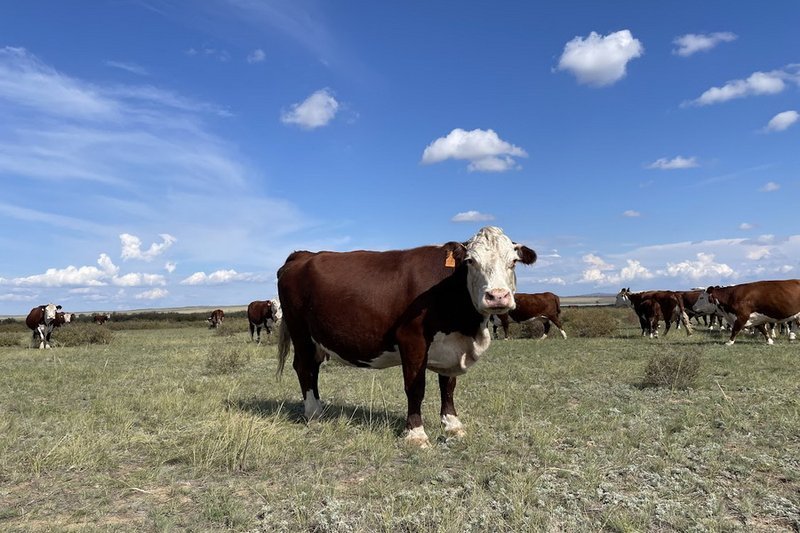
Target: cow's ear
(58, 307)
(526, 255)
(456, 252)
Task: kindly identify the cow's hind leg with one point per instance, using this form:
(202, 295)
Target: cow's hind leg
(450, 422)
(306, 365)
(413, 354)
(252, 328)
(258, 335)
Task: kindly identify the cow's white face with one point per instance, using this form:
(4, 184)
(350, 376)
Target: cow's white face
(622, 299)
(705, 303)
(491, 258)
(50, 311)
(277, 313)
(67, 318)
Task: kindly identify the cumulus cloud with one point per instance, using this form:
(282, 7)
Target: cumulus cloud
(758, 83)
(136, 279)
(703, 267)
(484, 150)
(314, 112)
(601, 272)
(152, 294)
(472, 216)
(71, 275)
(692, 42)
(220, 277)
(170, 267)
(677, 162)
(781, 121)
(600, 60)
(770, 186)
(631, 213)
(256, 56)
(132, 247)
(759, 252)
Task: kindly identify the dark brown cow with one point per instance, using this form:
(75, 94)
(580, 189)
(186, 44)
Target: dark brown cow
(754, 304)
(262, 313)
(421, 308)
(544, 306)
(41, 320)
(100, 319)
(670, 304)
(216, 318)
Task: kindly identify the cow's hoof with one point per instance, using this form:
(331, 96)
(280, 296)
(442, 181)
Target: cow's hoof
(453, 426)
(770, 341)
(417, 438)
(729, 343)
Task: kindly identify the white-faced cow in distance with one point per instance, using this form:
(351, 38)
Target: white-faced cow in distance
(262, 314)
(41, 320)
(670, 307)
(754, 304)
(422, 308)
(544, 306)
(216, 318)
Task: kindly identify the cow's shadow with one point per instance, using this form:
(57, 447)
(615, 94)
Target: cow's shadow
(294, 411)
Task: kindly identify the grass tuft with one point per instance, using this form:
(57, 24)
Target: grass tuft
(582, 322)
(9, 340)
(81, 335)
(226, 359)
(673, 369)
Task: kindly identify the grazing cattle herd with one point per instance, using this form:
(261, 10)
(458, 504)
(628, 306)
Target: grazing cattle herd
(429, 308)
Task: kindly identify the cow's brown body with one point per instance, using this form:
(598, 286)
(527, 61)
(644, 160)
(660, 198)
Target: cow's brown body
(100, 319)
(216, 318)
(755, 304)
(544, 306)
(261, 314)
(670, 305)
(378, 309)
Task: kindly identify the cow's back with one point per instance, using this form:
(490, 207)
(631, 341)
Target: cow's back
(351, 302)
(772, 298)
(533, 305)
(34, 318)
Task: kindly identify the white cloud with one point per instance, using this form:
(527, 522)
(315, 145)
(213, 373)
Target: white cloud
(472, 216)
(691, 42)
(256, 56)
(315, 111)
(758, 253)
(744, 226)
(136, 279)
(170, 267)
(484, 149)
(71, 275)
(600, 60)
(132, 247)
(597, 262)
(781, 121)
(770, 186)
(129, 67)
(220, 277)
(631, 213)
(703, 268)
(152, 294)
(677, 162)
(758, 83)
(600, 272)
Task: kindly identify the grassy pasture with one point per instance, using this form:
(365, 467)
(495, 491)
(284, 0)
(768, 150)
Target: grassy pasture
(180, 428)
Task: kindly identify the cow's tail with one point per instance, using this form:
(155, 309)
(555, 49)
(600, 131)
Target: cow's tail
(684, 317)
(284, 345)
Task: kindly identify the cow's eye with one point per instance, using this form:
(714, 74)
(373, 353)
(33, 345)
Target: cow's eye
(469, 261)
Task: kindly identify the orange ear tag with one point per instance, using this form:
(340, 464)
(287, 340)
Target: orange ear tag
(450, 262)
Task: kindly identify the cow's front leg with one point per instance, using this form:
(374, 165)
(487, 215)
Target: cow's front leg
(766, 332)
(450, 422)
(414, 357)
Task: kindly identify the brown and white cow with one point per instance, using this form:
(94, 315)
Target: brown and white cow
(41, 320)
(100, 319)
(262, 313)
(670, 305)
(754, 304)
(422, 308)
(544, 306)
(216, 318)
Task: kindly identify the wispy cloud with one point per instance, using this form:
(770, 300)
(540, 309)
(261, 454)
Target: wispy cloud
(744, 226)
(692, 43)
(256, 56)
(770, 186)
(782, 121)
(472, 216)
(631, 213)
(133, 68)
(221, 277)
(132, 247)
(314, 112)
(152, 294)
(677, 162)
(757, 84)
(484, 150)
(600, 60)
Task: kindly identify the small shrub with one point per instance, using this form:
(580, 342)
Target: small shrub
(225, 330)
(533, 329)
(590, 322)
(225, 359)
(9, 340)
(81, 335)
(672, 369)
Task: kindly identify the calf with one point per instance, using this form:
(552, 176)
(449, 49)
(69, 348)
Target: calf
(670, 304)
(544, 306)
(754, 304)
(216, 318)
(423, 308)
(41, 320)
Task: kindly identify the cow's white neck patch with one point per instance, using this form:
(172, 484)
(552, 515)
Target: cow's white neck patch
(451, 354)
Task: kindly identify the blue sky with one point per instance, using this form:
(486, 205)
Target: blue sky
(159, 153)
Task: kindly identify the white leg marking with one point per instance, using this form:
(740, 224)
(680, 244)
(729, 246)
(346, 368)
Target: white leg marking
(313, 406)
(792, 336)
(770, 341)
(418, 437)
(453, 426)
(544, 336)
(729, 343)
(41, 345)
(563, 333)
